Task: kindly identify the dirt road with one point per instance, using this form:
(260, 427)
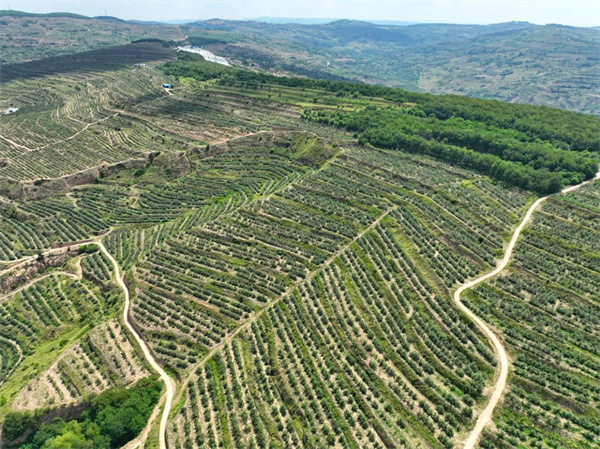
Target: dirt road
(149, 356)
(486, 415)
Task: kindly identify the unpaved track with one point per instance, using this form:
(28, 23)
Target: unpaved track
(149, 356)
(486, 415)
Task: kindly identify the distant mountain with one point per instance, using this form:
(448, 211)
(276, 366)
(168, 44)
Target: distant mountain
(345, 31)
(319, 21)
(12, 13)
(550, 65)
(27, 36)
(180, 21)
(110, 19)
(297, 20)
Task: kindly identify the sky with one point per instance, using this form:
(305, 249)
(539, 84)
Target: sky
(570, 12)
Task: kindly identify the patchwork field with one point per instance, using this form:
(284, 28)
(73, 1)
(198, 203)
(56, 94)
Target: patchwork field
(294, 282)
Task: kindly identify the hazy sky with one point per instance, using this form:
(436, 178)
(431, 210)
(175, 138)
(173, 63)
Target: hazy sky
(571, 12)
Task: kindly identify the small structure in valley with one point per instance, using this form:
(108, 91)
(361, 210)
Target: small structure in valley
(140, 65)
(11, 110)
(166, 86)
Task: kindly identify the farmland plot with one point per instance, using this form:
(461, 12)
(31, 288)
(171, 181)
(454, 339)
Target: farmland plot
(546, 306)
(295, 285)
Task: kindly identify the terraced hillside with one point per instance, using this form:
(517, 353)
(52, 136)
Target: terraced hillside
(546, 306)
(29, 37)
(294, 282)
(57, 118)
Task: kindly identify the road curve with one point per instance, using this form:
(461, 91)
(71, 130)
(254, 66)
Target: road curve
(149, 356)
(486, 415)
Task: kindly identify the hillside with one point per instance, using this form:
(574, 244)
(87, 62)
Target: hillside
(290, 251)
(28, 37)
(515, 62)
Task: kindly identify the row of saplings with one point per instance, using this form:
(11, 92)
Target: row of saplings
(110, 420)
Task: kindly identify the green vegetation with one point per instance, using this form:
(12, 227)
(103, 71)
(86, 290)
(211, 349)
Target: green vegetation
(533, 148)
(16, 423)
(88, 249)
(328, 360)
(290, 260)
(507, 155)
(43, 313)
(113, 418)
(519, 62)
(195, 67)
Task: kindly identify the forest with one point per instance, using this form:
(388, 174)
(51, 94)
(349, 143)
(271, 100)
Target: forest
(113, 418)
(535, 148)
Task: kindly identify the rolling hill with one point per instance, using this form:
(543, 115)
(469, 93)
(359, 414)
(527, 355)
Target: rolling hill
(516, 62)
(520, 62)
(284, 253)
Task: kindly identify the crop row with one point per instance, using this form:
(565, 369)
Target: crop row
(547, 310)
(102, 359)
(367, 351)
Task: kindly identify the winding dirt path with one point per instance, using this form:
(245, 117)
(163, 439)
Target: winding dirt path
(149, 356)
(486, 415)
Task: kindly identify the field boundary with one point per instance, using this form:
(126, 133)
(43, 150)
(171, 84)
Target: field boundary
(486, 415)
